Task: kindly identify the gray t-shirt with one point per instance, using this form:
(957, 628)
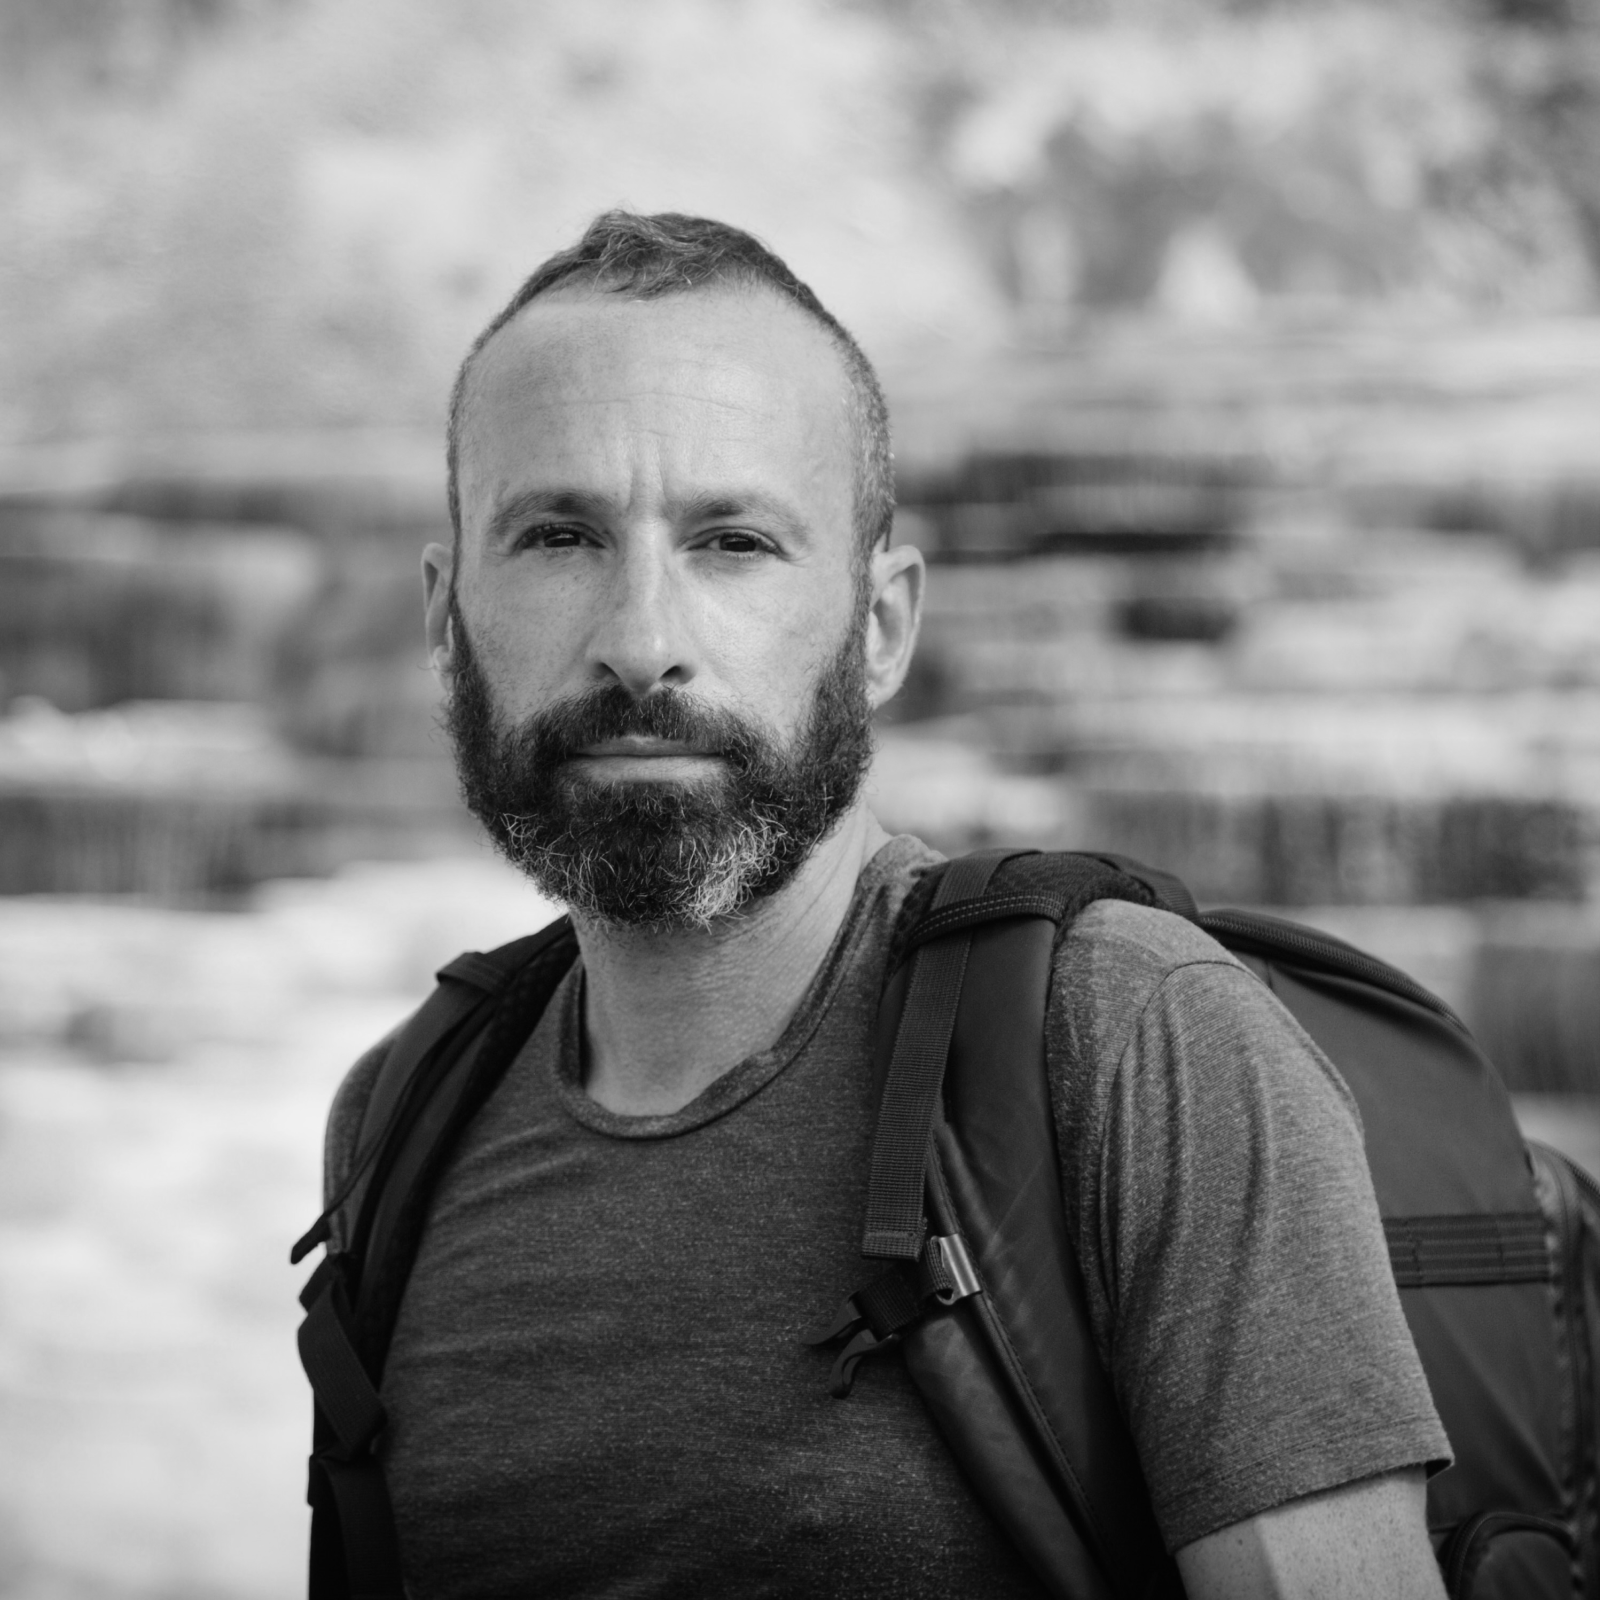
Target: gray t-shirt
(598, 1384)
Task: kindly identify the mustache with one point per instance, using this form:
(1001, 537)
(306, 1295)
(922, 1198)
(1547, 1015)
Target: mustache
(653, 853)
(559, 733)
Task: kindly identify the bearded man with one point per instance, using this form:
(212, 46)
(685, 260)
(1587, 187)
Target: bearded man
(670, 610)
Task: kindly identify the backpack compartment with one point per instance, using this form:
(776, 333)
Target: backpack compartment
(1503, 1555)
(1478, 1250)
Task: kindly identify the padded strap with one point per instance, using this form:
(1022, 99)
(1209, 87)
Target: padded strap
(390, 1226)
(434, 1022)
(441, 1067)
(1167, 890)
(896, 1225)
(465, 985)
(1010, 1373)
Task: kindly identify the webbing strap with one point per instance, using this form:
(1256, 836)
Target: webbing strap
(1484, 1248)
(890, 1302)
(896, 1226)
(338, 1380)
(346, 1482)
(366, 1526)
(990, 908)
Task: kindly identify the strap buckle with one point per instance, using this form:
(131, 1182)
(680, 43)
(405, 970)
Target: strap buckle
(962, 1276)
(872, 1319)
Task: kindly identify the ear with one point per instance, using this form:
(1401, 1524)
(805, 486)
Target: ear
(898, 575)
(438, 566)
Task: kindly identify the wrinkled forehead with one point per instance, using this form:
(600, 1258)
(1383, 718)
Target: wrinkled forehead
(736, 380)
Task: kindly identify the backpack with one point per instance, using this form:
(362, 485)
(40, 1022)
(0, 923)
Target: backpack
(1494, 1243)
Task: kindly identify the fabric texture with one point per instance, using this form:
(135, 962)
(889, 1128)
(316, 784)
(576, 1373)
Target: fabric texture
(1235, 1261)
(597, 1384)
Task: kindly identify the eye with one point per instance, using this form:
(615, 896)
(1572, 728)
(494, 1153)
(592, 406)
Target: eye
(739, 542)
(552, 536)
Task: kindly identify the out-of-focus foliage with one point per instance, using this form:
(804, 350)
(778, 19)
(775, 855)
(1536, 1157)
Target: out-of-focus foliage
(271, 212)
(1206, 157)
(305, 211)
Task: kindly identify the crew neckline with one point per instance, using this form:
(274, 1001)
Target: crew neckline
(896, 861)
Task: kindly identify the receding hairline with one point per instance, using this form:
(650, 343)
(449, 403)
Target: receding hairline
(866, 412)
(576, 290)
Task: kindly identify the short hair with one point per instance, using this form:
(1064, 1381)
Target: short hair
(646, 257)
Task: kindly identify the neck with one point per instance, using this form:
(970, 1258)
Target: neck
(667, 1014)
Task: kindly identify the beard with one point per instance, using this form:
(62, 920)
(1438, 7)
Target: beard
(658, 855)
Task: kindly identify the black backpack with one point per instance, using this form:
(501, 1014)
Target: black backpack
(1493, 1242)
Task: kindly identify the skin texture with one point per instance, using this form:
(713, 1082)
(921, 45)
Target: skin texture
(1365, 1541)
(659, 493)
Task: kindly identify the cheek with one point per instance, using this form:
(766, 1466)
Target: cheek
(519, 646)
(769, 654)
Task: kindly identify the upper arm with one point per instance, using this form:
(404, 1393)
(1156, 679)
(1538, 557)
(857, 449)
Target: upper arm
(1233, 1254)
(1362, 1541)
(342, 1135)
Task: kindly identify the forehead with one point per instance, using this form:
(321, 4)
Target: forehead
(727, 381)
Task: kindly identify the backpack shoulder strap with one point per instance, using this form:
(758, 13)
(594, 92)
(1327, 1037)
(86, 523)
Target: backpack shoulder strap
(985, 1296)
(464, 987)
(441, 1067)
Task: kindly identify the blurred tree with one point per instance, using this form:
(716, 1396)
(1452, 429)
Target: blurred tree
(1209, 156)
(271, 213)
(108, 44)
(303, 216)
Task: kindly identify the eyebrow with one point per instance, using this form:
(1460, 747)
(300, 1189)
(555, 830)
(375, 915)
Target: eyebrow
(514, 513)
(716, 507)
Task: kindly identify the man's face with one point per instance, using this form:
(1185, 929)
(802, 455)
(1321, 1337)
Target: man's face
(657, 643)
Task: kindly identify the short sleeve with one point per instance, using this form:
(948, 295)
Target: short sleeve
(343, 1131)
(1239, 1280)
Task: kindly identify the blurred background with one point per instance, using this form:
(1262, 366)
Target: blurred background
(1245, 360)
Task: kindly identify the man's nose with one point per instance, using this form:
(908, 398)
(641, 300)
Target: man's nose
(641, 638)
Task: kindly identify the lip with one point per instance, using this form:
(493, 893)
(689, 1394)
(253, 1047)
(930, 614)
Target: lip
(637, 746)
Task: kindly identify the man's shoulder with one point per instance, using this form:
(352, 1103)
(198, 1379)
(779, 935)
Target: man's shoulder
(342, 1136)
(1128, 974)
(1114, 958)
(1134, 948)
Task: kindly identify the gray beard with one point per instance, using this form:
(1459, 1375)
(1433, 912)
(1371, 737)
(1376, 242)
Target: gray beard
(654, 855)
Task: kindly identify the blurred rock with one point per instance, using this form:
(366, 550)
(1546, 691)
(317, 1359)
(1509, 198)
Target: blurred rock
(1010, 503)
(1536, 999)
(96, 609)
(1305, 849)
(937, 783)
(180, 799)
(1569, 1123)
(164, 1076)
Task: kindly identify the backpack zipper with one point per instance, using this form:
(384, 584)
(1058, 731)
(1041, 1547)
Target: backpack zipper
(1571, 1183)
(1584, 1181)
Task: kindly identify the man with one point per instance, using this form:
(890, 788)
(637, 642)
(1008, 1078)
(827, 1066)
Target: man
(669, 612)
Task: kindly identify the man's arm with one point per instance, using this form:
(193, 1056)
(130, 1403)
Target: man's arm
(1362, 1541)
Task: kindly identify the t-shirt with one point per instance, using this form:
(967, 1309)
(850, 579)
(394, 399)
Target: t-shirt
(599, 1385)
